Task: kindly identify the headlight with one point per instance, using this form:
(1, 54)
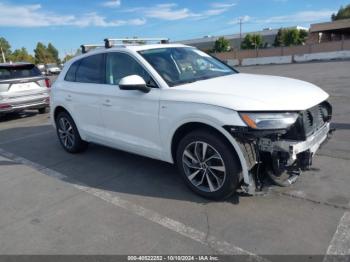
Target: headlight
(269, 120)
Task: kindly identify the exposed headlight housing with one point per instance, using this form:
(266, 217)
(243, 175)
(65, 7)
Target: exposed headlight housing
(268, 121)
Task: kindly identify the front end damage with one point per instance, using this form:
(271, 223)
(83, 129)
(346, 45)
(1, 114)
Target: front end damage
(283, 153)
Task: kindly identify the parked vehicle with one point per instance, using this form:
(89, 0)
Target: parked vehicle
(177, 104)
(52, 69)
(42, 68)
(22, 86)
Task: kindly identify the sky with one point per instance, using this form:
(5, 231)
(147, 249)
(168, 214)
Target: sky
(69, 23)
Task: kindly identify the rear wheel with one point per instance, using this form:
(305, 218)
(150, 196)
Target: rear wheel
(68, 134)
(208, 165)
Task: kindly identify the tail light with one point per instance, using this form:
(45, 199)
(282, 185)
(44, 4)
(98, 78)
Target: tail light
(47, 82)
(4, 106)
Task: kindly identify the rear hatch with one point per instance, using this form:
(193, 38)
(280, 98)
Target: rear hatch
(21, 80)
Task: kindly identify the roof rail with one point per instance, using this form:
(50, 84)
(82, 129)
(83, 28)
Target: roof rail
(84, 48)
(110, 42)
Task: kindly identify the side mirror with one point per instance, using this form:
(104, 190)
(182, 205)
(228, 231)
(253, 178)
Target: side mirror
(134, 82)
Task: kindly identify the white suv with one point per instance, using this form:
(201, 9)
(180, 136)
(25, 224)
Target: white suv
(175, 103)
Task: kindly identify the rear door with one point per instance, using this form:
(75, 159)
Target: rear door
(81, 93)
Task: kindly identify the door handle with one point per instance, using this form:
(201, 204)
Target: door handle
(107, 103)
(68, 98)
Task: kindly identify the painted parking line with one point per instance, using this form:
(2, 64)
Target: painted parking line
(340, 244)
(221, 247)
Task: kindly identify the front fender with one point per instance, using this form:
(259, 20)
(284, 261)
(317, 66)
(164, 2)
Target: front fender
(171, 120)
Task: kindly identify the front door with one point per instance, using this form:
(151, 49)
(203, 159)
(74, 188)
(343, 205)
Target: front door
(130, 116)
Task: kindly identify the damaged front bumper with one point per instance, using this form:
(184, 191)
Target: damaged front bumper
(283, 153)
(295, 148)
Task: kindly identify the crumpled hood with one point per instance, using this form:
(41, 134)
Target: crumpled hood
(248, 92)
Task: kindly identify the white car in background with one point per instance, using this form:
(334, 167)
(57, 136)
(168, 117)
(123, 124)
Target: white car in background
(52, 69)
(22, 86)
(175, 103)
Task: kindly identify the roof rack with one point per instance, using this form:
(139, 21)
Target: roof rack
(86, 48)
(110, 42)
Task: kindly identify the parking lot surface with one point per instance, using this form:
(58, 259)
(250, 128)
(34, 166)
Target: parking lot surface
(105, 201)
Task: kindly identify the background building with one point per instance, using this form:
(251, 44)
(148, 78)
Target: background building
(330, 31)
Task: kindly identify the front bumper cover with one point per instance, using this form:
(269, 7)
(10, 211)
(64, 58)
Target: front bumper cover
(293, 148)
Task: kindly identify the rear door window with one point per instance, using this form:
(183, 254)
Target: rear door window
(91, 70)
(18, 71)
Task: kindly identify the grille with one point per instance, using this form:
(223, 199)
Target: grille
(310, 121)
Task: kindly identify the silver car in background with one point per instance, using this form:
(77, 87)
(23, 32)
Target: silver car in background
(22, 86)
(52, 69)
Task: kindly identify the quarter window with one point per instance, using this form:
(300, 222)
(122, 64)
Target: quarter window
(91, 70)
(70, 76)
(119, 65)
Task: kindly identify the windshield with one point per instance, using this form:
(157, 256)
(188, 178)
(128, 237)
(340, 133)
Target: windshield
(20, 71)
(181, 65)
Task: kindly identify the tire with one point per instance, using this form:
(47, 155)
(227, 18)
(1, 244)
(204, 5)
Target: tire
(68, 134)
(197, 170)
(43, 110)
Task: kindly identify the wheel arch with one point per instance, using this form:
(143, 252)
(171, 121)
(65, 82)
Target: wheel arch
(188, 127)
(58, 109)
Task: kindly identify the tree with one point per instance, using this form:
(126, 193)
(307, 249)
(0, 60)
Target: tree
(343, 13)
(221, 45)
(254, 41)
(289, 37)
(54, 53)
(67, 58)
(6, 48)
(42, 55)
(21, 55)
(279, 38)
(303, 34)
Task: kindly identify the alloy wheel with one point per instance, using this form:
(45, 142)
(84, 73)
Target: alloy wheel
(204, 166)
(66, 132)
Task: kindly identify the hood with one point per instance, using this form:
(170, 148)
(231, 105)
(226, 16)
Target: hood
(248, 92)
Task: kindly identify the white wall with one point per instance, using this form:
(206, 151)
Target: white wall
(291, 59)
(322, 56)
(267, 60)
(233, 62)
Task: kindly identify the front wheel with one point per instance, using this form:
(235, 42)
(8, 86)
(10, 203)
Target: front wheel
(68, 134)
(208, 165)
